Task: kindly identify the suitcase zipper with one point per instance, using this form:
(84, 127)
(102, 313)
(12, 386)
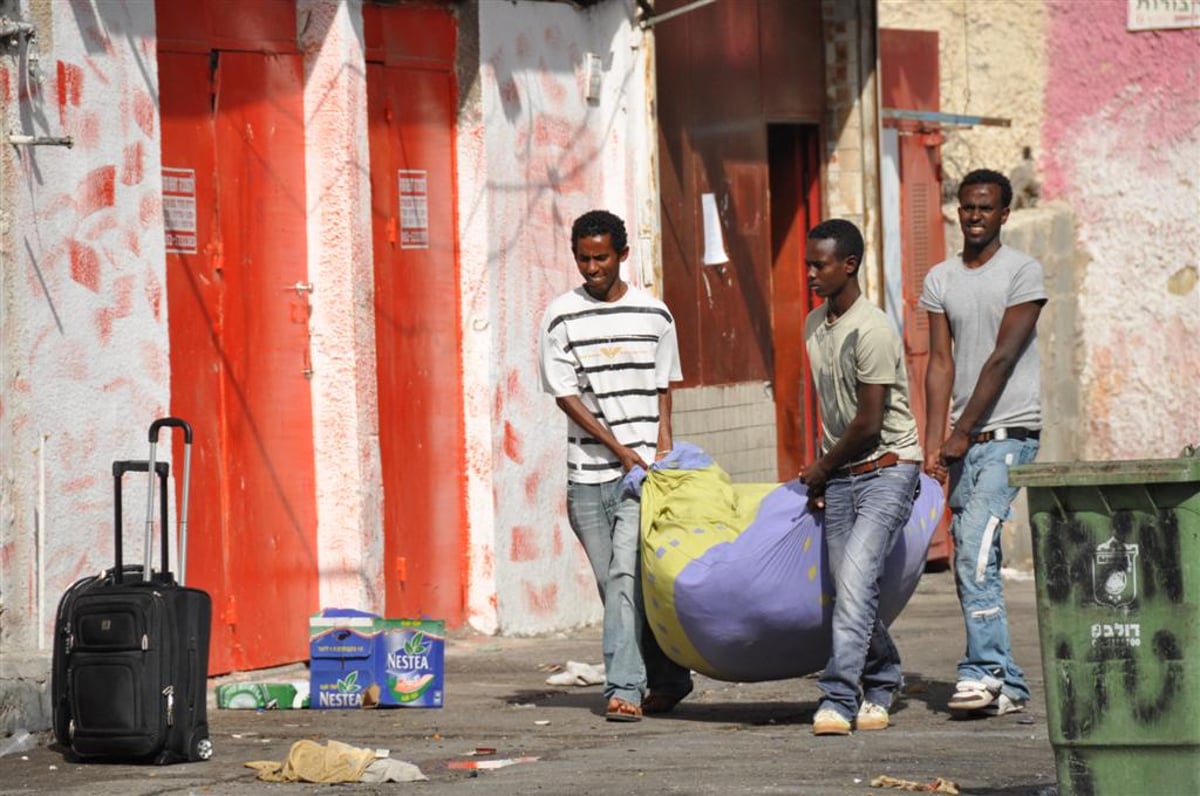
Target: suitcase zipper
(169, 693)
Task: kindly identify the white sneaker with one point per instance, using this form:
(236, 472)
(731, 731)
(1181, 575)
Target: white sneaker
(872, 717)
(829, 722)
(1002, 706)
(972, 695)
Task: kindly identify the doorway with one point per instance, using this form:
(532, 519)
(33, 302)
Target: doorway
(793, 153)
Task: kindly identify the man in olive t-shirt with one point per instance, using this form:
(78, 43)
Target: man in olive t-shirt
(865, 479)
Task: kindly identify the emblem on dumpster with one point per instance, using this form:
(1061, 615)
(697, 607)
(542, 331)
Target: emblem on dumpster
(1114, 576)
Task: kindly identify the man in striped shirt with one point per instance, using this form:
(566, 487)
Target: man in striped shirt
(608, 356)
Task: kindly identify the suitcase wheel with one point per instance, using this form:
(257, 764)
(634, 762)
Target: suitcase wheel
(202, 749)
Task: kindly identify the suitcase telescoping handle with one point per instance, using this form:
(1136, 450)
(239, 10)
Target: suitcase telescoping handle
(173, 422)
(119, 469)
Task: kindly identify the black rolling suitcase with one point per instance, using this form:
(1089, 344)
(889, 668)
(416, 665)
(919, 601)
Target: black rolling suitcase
(130, 668)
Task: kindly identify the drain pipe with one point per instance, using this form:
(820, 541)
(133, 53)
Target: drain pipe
(649, 230)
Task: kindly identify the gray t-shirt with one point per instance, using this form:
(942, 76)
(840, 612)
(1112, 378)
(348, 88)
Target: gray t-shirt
(974, 301)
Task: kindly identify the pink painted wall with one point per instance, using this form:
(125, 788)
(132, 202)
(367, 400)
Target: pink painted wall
(534, 154)
(1121, 143)
(83, 342)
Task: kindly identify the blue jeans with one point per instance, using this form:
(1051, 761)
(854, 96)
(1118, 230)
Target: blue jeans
(864, 516)
(980, 500)
(608, 524)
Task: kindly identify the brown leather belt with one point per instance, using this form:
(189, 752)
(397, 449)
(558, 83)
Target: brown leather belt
(886, 460)
(998, 434)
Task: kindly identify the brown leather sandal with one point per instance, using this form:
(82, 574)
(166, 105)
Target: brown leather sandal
(620, 710)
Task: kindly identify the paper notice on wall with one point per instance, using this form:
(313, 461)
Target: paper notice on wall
(414, 209)
(179, 209)
(1163, 14)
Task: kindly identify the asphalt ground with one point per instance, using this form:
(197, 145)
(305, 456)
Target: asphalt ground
(727, 738)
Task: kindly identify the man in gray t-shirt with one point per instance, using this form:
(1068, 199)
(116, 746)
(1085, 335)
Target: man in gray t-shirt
(983, 309)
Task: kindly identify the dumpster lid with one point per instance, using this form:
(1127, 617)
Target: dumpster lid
(1132, 471)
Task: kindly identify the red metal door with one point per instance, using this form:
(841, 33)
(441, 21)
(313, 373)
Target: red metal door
(909, 73)
(411, 101)
(239, 344)
(794, 161)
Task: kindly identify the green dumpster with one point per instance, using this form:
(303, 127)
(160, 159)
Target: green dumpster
(1116, 550)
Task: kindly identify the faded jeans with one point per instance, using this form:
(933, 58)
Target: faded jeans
(608, 524)
(980, 499)
(864, 516)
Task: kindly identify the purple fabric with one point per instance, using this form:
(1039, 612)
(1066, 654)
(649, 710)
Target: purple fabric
(749, 606)
(684, 456)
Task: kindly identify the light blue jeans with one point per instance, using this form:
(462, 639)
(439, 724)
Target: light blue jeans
(608, 524)
(980, 500)
(864, 516)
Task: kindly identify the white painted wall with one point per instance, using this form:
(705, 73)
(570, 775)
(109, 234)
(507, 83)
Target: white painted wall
(533, 154)
(83, 340)
(341, 271)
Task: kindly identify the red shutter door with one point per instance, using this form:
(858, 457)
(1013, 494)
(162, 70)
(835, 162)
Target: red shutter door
(410, 106)
(239, 327)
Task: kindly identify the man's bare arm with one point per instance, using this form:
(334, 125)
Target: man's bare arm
(1016, 329)
(665, 438)
(939, 383)
(861, 435)
(573, 407)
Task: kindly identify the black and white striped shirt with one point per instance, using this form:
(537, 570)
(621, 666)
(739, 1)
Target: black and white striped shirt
(615, 356)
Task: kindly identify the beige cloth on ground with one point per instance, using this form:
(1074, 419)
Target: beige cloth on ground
(576, 673)
(309, 761)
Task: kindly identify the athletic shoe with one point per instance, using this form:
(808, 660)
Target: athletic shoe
(829, 722)
(972, 695)
(1002, 705)
(871, 717)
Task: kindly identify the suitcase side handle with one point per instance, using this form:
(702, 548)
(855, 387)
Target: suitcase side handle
(155, 427)
(119, 468)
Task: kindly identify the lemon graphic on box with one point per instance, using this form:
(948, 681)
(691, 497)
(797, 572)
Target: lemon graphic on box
(410, 687)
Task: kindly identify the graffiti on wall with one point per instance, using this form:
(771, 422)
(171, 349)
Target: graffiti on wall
(85, 349)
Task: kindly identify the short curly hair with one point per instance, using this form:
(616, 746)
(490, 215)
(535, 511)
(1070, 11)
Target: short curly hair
(849, 241)
(989, 177)
(600, 222)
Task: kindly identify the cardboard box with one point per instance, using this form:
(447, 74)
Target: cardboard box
(358, 659)
(342, 657)
(412, 658)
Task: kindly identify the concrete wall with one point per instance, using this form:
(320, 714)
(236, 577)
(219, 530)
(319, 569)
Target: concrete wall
(84, 345)
(1121, 143)
(1113, 117)
(340, 263)
(533, 154)
(735, 423)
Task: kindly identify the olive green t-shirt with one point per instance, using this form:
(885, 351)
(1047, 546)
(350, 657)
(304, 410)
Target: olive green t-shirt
(860, 346)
